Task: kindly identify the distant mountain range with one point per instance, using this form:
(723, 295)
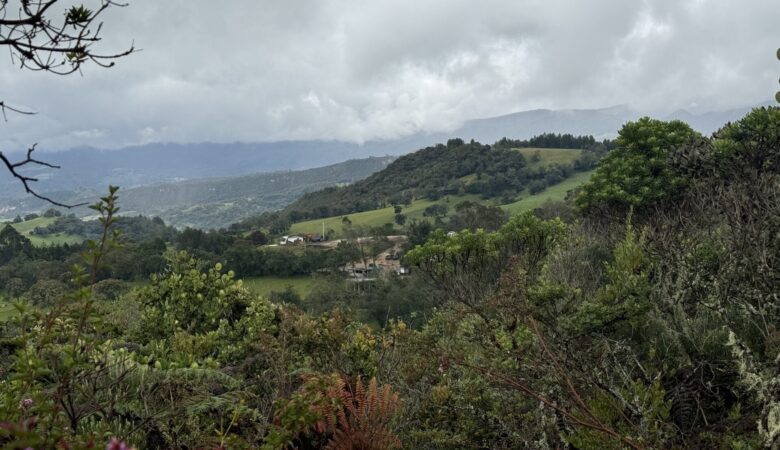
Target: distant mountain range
(88, 170)
(218, 202)
(599, 123)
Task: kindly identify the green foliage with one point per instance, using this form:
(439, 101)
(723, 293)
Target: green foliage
(472, 216)
(637, 173)
(625, 298)
(12, 244)
(467, 265)
(193, 311)
(552, 140)
(57, 354)
(78, 15)
(654, 410)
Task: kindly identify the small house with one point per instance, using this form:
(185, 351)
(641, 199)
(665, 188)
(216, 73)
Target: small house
(291, 240)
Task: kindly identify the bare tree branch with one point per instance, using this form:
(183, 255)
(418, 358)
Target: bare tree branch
(4, 107)
(39, 40)
(26, 180)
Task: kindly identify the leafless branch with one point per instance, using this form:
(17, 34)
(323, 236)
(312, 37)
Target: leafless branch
(38, 40)
(13, 168)
(4, 107)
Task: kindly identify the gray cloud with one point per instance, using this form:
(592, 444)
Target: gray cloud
(295, 69)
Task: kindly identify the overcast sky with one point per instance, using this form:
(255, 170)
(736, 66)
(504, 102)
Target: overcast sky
(248, 70)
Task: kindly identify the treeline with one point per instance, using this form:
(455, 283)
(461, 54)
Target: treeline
(134, 228)
(592, 150)
(556, 140)
(145, 242)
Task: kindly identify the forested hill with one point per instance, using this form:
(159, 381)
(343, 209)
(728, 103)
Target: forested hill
(428, 172)
(454, 168)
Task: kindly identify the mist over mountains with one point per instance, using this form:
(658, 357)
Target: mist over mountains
(87, 171)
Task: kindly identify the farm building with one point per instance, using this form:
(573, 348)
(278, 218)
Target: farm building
(291, 240)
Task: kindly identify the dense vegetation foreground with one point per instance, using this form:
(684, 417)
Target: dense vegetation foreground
(643, 314)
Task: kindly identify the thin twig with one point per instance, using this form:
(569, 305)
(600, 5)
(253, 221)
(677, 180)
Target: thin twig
(26, 180)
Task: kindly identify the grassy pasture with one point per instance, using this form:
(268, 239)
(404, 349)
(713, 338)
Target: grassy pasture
(25, 228)
(555, 192)
(379, 217)
(263, 286)
(550, 156)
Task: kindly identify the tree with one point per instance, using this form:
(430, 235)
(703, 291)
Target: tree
(257, 237)
(400, 219)
(536, 187)
(437, 210)
(39, 39)
(472, 216)
(12, 244)
(185, 299)
(467, 266)
(46, 293)
(637, 173)
(418, 232)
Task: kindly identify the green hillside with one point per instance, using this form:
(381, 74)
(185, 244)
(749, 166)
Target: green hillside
(457, 168)
(376, 217)
(381, 216)
(25, 228)
(550, 156)
(555, 192)
(509, 171)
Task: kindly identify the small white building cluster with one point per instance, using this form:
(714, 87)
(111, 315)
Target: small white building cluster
(291, 240)
(296, 240)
